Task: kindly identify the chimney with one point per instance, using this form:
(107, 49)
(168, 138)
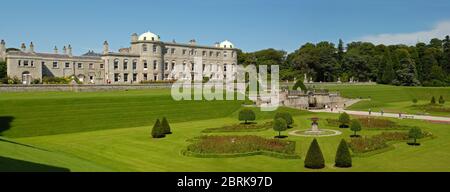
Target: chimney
(192, 42)
(31, 49)
(64, 50)
(2, 46)
(23, 48)
(55, 50)
(69, 49)
(105, 47)
(134, 37)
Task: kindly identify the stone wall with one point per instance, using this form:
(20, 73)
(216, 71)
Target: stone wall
(79, 88)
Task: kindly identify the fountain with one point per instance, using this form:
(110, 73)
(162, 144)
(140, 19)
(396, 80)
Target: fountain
(314, 126)
(314, 131)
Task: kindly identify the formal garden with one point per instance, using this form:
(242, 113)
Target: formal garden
(145, 130)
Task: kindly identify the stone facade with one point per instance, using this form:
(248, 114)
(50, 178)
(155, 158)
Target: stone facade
(147, 59)
(311, 99)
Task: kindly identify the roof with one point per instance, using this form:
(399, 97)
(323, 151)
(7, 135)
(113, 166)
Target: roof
(52, 55)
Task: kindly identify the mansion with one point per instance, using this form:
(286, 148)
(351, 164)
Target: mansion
(146, 59)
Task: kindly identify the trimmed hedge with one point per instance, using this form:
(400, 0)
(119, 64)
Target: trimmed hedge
(343, 156)
(314, 158)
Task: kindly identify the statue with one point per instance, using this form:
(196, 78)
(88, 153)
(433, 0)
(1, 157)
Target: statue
(339, 80)
(314, 126)
(305, 80)
(310, 80)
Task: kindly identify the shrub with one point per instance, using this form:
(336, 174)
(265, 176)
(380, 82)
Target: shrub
(376, 142)
(343, 157)
(441, 100)
(314, 158)
(286, 116)
(299, 84)
(165, 126)
(414, 100)
(247, 115)
(157, 131)
(279, 125)
(433, 100)
(344, 120)
(355, 127)
(415, 133)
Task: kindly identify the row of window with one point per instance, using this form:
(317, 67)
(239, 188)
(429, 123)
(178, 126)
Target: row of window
(118, 77)
(26, 63)
(166, 65)
(191, 51)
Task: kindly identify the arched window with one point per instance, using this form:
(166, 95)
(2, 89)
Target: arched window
(145, 64)
(116, 64)
(155, 64)
(173, 65)
(134, 64)
(154, 48)
(125, 64)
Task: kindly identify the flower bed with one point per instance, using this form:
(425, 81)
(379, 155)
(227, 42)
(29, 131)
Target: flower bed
(235, 146)
(241, 128)
(378, 142)
(373, 123)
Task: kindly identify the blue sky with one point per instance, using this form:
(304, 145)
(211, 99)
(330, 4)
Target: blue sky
(250, 24)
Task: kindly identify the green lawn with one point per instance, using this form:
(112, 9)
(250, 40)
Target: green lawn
(121, 140)
(392, 98)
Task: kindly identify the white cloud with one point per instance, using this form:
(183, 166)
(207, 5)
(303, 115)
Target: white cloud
(440, 30)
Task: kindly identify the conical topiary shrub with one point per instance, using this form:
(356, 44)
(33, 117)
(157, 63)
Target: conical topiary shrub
(343, 157)
(157, 131)
(314, 158)
(165, 126)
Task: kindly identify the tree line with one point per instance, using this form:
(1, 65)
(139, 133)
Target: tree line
(426, 64)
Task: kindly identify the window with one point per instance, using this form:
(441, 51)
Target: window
(225, 54)
(19, 63)
(166, 50)
(145, 77)
(32, 63)
(224, 67)
(134, 76)
(134, 64)
(25, 63)
(154, 48)
(145, 64)
(155, 65)
(80, 65)
(91, 66)
(184, 51)
(173, 51)
(192, 66)
(91, 77)
(232, 54)
(125, 77)
(173, 65)
(211, 53)
(203, 68)
(116, 77)
(55, 64)
(184, 65)
(125, 64)
(67, 65)
(166, 76)
(116, 64)
(144, 47)
(166, 65)
(102, 66)
(155, 77)
(204, 53)
(217, 54)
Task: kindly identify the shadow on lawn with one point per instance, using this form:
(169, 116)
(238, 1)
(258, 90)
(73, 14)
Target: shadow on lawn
(5, 123)
(15, 165)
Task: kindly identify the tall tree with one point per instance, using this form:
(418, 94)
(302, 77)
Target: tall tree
(407, 74)
(446, 55)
